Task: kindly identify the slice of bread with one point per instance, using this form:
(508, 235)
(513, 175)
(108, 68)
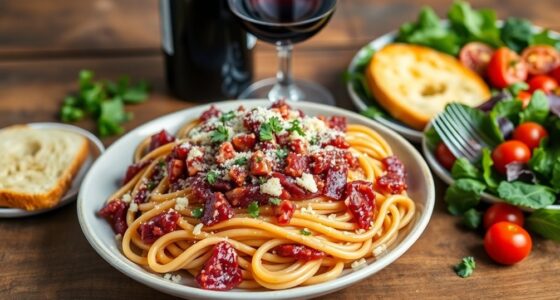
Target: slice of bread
(37, 166)
(414, 83)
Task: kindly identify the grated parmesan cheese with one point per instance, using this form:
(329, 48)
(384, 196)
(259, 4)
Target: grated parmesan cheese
(174, 278)
(358, 264)
(273, 187)
(379, 250)
(126, 198)
(197, 229)
(360, 231)
(133, 207)
(118, 237)
(181, 203)
(194, 154)
(307, 182)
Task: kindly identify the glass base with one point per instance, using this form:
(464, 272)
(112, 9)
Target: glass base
(301, 91)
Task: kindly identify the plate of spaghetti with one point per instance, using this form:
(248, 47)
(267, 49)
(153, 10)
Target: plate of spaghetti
(253, 200)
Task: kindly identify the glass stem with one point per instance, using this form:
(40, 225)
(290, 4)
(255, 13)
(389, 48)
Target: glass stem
(284, 74)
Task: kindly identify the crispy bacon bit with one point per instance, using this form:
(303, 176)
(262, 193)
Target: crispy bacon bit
(394, 180)
(244, 142)
(221, 272)
(134, 169)
(298, 146)
(216, 210)
(225, 152)
(296, 164)
(360, 202)
(201, 190)
(296, 192)
(284, 212)
(175, 170)
(159, 139)
(238, 175)
(281, 107)
(211, 112)
(336, 182)
(115, 213)
(300, 252)
(243, 196)
(337, 123)
(141, 195)
(158, 226)
(194, 163)
(321, 162)
(259, 165)
(338, 142)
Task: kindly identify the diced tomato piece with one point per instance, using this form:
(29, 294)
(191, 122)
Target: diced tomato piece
(283, 139)
(221, 272)
(201, 190)
(250, 123)
(115, 213)
(394, 179)
(243, 196)
(298, 146)
(216, 210)
(159, 139)
(225, 152)
(284, 212)
(158, 226)
(300, 252)
(259, 165)
(338, 123)
(281, 107)
(338, 142)
(244, 142)
(360, 202)
(296, 164)
(175, 170)
(194, 163)
(238, 175)
(336, 182)
(211, 112)
(141, 195)
(134, 169)
(180, 151)
(291, 187)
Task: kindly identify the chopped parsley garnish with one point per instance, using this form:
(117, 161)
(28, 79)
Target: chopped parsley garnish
(274, 201)
(305, 232)
(197, 212)
(212, 177)
(151, 185)
(281, 153)
(314, 140)
(253, 209)
(295, 125)
(262, 180)
(240, 161)
(466, 267)
(227, 116)
(221, 134)
(268, 129)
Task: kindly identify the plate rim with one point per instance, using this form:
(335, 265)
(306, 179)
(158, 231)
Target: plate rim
(156, 282)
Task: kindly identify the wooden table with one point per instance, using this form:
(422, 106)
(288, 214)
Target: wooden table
(43, 45)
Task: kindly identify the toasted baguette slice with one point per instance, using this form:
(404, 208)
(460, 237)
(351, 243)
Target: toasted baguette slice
(37, 165)
(414, 83)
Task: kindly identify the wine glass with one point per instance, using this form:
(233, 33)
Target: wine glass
(284, 23)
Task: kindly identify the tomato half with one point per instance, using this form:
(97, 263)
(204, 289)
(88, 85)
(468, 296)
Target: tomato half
(524, 97)
(544, 83)
(444, 156)
(555, 74)
(508, 152)
(507, 243)
(476, 56)
(530, 134)
(503, 212)
(540, 59)
(506, 68)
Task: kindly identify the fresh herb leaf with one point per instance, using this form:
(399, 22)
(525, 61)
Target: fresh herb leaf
(472, 218)
(488, 173)
(69, 113)
(265, 132)
(537, 110)
(240, 161)
(432, 138)
(305, 232)
(197, 212)
(135, 94)
(474, 25)
(314, 140)
(543, 160)
(111, 117)
(227, 116)
(545, 222)
(463, 195)
(253, 209)
(274, 201)
(262, 179)
(527, 195)
(281, 153)
(544, 38)
(462, 168)
(517, 87)
(374, 111)
(295, 126)
(466, 267)
(220, 134)
(212, 177)
(275, 124)
(516, 33)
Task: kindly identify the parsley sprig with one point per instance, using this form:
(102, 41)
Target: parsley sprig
(240, 161)
(268, 129)
(253, 209)
(274, 201)
(227, 116)
(212, 177)
(197, 212)
(466, 267)
(220, 134)
(305, 232)
(295, 126)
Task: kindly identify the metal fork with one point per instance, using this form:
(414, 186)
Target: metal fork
(459, 134)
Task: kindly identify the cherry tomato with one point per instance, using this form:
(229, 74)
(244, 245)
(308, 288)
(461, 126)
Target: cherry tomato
(530, 133)
(503, 212)
(508, 152)
(542, 82)
(555, 74)
(506, 68)
(507, 243)
(524, 97)
(444, 156)
(540, 59)
(476, 56)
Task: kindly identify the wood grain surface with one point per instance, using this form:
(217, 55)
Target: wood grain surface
(43, 45)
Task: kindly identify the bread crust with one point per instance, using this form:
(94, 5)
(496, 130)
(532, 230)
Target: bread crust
(398, 105)
(35, 201)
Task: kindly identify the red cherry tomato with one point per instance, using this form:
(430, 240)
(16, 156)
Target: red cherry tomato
(530, 133)
(444, 156)
(507, 243)
(542, 82)
(506, 68)
(503, 212)
(476, 56)
(555, 74)
(524, 97)
(508, 152)
(540, 59)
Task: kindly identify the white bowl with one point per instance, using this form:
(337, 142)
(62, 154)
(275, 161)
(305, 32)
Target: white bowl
(100, 182)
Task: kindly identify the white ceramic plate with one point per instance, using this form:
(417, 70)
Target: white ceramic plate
(445, 175)
(96, 149)
(100, 182)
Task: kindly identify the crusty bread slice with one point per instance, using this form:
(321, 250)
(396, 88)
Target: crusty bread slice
(414, 83)
(37, 165)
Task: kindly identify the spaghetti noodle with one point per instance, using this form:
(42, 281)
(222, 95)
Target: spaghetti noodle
(265, 198)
